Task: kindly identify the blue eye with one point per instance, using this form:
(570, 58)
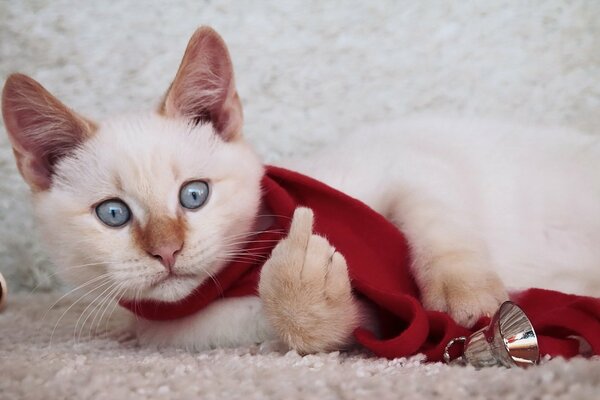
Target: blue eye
(113, 212)
(193, 194)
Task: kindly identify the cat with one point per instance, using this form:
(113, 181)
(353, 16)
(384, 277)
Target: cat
(149, 206)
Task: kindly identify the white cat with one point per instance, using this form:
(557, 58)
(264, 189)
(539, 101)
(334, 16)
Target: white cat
(149, 206)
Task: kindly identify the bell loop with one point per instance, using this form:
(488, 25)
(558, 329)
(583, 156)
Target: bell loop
(447, 357)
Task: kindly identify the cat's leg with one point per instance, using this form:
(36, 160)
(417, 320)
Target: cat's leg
(306, 292)
(450, 260)
(229, 322)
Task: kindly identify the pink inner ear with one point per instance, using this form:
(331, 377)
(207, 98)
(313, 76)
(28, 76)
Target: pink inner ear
(42, 129)
(34, 171)
(204, 87)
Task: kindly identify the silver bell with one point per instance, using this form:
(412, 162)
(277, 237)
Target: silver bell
(509, 340)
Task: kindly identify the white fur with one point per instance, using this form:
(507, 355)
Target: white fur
(526, 200)
(226, 323)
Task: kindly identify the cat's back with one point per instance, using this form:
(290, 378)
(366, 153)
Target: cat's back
(425, 151)
(532, 193)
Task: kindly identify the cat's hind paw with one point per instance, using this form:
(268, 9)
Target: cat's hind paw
(466, 298)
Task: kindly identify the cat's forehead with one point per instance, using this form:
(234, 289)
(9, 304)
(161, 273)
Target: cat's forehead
(143, 157)
(147, 148)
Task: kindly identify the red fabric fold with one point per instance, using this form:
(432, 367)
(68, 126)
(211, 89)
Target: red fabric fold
(378, 262)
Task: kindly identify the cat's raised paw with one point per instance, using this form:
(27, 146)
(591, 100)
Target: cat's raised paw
(306, 292)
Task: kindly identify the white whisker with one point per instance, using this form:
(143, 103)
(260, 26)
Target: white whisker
(92, 280)
(112, 285)
(116, 303)
(71, 306)
(110, 298)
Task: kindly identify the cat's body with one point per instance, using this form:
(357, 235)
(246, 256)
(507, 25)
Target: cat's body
(523, 193)
(529, 194)
(474, 200)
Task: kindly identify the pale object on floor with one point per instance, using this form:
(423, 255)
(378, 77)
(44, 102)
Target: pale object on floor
(3, 291)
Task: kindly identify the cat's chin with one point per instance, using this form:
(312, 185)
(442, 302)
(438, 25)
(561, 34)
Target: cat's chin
(171, 289)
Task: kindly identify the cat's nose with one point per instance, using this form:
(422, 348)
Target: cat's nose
(167, 253)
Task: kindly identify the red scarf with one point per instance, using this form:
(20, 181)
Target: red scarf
(378, 262)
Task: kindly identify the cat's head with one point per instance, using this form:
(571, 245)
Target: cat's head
(146, 205)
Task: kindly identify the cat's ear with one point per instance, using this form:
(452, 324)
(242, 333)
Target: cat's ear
(41, 129)
(204, 87)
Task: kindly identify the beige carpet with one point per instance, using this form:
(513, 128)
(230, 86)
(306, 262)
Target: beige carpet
(36, 365)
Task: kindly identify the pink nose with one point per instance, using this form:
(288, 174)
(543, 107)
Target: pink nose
(167, 253)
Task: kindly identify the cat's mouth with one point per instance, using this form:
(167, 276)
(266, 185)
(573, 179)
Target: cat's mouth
(169, 277)
(166, 286)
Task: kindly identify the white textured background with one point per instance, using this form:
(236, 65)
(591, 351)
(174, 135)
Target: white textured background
(307, 70)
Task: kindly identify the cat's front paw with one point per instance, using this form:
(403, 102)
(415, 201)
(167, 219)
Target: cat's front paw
(466, 296)
(306, 292)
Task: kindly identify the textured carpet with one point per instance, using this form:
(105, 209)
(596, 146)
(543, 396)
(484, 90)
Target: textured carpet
(37, 365)
(307, 71)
